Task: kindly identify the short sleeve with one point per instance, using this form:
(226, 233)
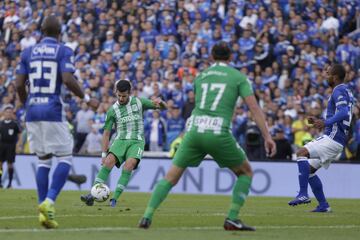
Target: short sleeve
(109, 119)
(340, 98)
(22, 67)
(147, 104)
(245, 88)
(67, 60)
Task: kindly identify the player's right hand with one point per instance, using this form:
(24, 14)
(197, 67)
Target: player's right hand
(94, 103)
(311, 120)
(270, 147)
(103, 160)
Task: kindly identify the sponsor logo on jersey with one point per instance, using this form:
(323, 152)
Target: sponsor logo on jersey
(130, 118)
(208, 123)
(49, 51)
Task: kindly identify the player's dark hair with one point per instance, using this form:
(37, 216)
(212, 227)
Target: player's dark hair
(339, 71)
(221, 51)
(51, 26)
(123, 86)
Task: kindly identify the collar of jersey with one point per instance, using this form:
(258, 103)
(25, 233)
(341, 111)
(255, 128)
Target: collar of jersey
(338, 86)
(220, 64)
(49, 39)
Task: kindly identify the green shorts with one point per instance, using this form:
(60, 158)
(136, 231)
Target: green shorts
(222, 147)
(125, 149)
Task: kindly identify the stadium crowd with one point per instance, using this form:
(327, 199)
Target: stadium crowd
(283, 47)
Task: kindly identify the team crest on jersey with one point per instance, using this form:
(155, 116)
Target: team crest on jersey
(134, 108)
(11, 132)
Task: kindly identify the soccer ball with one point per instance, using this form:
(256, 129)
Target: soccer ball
(100, 192)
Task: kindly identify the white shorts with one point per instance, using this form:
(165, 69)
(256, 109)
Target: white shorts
(49, 137)
(323, 151)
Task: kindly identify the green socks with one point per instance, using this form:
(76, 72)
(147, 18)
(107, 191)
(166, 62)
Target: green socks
(102, 175)
(161, 191)
(240, 192)
(122, 183)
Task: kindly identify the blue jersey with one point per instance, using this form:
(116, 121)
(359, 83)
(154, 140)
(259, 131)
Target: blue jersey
(340, 103)
(43, 63)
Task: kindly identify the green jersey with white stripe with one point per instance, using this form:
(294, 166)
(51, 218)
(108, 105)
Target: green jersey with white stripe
(128, 118)
(216, 92)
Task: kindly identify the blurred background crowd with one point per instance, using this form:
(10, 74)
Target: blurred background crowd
(283, 46)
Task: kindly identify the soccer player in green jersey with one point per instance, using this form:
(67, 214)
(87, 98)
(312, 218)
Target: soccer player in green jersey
(127, 114)
(208, 132)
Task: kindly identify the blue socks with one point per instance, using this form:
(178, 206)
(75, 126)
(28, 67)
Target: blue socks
(42, 178)
(42, 182)
(304, 172)
(59, 178)
(317, 189)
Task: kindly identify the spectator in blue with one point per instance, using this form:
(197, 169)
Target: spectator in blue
(82, 54)
(168, 27)
(155, 132)
(268, 76)
(227, 32)
(345, 51)
(281, 45)
(175, 125)
(177, 94)
(302, 36)
(149, 35)
(108, 45)
(247, 43)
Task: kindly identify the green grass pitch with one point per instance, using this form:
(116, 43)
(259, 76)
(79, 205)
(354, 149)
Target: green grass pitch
(180, 217)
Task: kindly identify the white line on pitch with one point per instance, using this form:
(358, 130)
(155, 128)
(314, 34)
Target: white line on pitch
(34, 230)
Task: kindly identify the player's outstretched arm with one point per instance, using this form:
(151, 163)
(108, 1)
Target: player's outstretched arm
(105, 143)
(21, 87)
(259, 118)
(71, 83)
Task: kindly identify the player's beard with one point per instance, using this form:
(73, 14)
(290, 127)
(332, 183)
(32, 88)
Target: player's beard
(127, 100)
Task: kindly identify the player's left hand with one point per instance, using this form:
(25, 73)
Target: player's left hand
(159, 103)
(270, 147)
(92, 102)
(318, 123)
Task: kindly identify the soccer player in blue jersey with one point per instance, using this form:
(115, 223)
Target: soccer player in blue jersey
(327, 148)
(41, 72)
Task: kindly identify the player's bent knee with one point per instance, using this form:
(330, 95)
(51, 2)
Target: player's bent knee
(243, 169)
(109, 161)
(130, 164)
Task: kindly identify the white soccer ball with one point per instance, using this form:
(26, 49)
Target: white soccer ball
(100, 192)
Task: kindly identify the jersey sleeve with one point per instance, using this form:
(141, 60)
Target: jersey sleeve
(147, 104)
(245, 88)
(343, 111)
(67, 60)
(22, 67)
(340, 98)
(109, 119)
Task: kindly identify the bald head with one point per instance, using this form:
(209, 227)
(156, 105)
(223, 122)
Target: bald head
(51, 27)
